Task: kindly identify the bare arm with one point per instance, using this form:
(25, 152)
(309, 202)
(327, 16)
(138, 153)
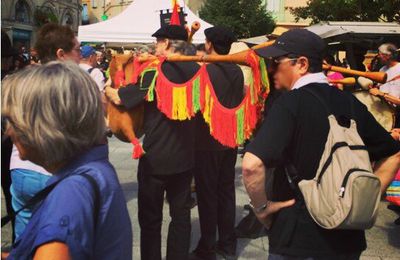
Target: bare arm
(112, 95)
(386, 170)
(254, 176)
(52, 251)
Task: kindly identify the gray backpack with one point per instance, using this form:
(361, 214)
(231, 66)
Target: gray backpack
(344, 193)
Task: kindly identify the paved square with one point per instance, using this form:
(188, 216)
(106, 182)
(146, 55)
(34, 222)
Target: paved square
(383, 239)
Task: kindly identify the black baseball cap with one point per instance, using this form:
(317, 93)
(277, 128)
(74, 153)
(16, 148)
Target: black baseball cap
(300, 42)
(220, 36)
(173, 32)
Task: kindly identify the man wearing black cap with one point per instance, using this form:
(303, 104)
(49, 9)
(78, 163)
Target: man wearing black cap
(215, 163)
(169, 155)
(294, 132)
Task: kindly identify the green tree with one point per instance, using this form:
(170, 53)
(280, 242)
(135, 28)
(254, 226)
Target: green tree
(247, 18)
(349, 10)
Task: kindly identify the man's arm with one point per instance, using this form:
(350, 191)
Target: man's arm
(131, 95)
(254, 176)
(98, 77)
(112, 94)
(52, 251)
(386, 170)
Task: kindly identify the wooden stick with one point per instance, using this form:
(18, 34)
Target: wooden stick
(345, 81)
(375, 76)
(240, 58)
(193, 30)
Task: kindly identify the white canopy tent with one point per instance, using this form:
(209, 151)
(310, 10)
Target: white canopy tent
(362, 29)
(136, 24)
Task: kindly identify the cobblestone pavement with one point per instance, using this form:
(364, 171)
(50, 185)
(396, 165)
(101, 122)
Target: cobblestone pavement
(383, 239)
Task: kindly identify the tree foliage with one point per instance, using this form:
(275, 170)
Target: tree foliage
(349, 10)
(247, 18)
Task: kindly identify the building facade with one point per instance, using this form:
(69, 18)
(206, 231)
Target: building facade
(95, 11)
(100, 10)
(20, 19)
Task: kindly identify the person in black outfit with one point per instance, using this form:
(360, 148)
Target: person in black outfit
(215, 164)
(249, 226)
(7, 53)
(295, 131)
(168, 162)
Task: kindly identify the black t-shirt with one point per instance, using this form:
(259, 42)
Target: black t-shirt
(296, 130)
(168, 144)
(228, 81)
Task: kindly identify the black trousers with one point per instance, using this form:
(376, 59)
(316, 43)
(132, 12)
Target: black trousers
(349, 256)
(215, 187)
(6, 150)
(150, 199)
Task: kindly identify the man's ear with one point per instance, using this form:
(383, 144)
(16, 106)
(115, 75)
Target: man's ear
(208, 47)
(303, 64)
(60, 54)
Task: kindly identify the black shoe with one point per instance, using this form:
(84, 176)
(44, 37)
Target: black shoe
(395, 208)
(247, 207)
(109, 133)
(202, 255)
(226, 255)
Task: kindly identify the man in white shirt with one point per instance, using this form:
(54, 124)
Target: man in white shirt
(88, 63)
(388, 54)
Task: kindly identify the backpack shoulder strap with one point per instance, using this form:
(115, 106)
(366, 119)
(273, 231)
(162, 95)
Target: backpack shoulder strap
(41, 195)
(90, 70)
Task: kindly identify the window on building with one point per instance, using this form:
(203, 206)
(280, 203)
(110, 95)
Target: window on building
(22, 11)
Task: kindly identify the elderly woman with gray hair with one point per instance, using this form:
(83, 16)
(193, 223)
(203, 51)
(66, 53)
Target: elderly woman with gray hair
(55, 118)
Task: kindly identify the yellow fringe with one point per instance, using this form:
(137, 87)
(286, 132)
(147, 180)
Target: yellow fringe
(179, 104)
(208, 106)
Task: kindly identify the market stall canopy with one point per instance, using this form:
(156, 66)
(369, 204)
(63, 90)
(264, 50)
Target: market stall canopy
(365, 33)
(136, 24)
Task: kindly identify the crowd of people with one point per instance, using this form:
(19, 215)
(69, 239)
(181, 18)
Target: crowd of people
(66, 193)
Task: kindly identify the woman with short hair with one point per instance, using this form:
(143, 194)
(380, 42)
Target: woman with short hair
(56, 120)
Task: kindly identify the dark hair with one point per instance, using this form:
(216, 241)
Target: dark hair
(314, 64)
(52, 37)
(330, 59)
(201, 47)
(221, 49)
(190, 50)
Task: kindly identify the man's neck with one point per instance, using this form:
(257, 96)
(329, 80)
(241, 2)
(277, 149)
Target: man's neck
(393, 63)
(295, 79)
(86, 62)
(212, 52)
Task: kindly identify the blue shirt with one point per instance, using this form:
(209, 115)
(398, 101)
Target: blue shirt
(67, 213)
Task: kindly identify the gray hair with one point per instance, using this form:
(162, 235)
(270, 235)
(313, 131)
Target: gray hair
(55, 110)
(388, 48)
(143, 49)
(178, 46)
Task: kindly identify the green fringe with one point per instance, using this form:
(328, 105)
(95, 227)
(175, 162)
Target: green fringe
(196, 95)
(150, 92)
(251, 88)
(264, 73)
(240, 125)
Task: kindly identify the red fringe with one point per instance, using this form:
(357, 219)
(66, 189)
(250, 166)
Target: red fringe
(137, 149)
(119, 79)
(164, 90)
(138, 68)
(223, 121)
